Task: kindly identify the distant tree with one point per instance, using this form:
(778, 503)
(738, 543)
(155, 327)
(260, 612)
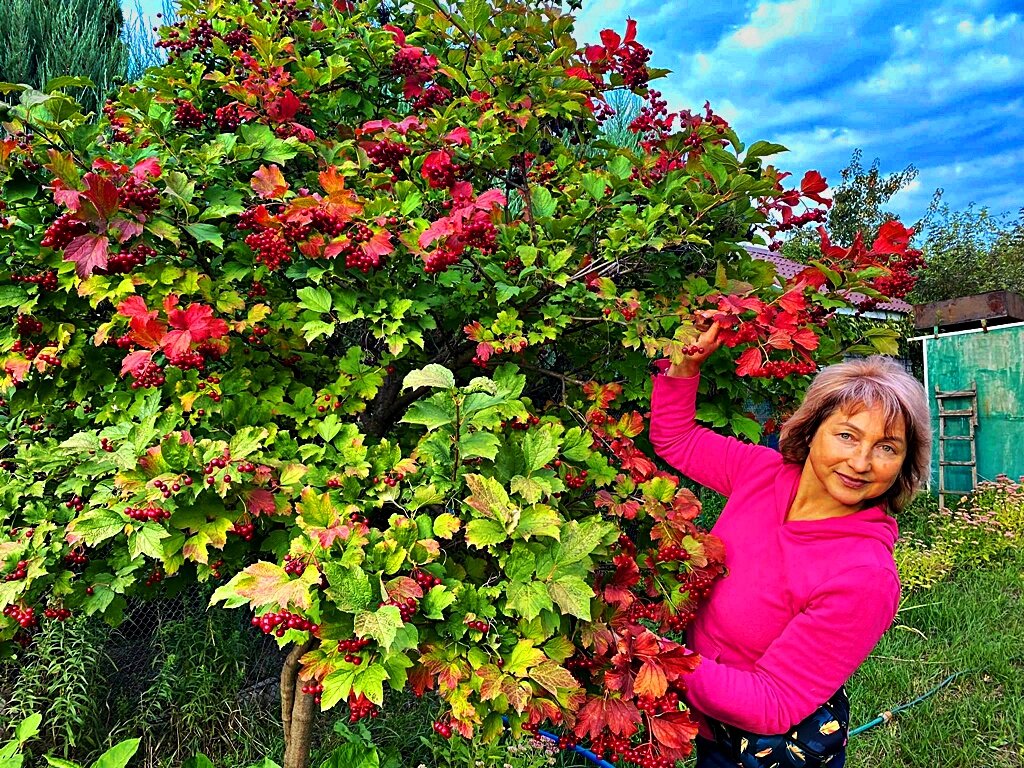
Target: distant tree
(971, 251)
(44, 39)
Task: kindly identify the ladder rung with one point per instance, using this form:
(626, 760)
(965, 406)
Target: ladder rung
(960, 393)
(957, 437)
(960, 412)
(957, 463)
(956, 493)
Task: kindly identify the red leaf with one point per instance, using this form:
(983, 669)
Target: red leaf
(149, 166)
(611, 40)
(793, 301)
(176, 343)
(199, 321)
(893, 237)
(630, 31)
(89, 252)
(749, 362)
(812, 185)
(135, 306)
(269, 182)
(136, 362)
(64, 195)
(420, 680)
(594, 53)
(806, 338)
(103, 196)
(440, 228)
(674, 731)
(651, 680)
(402, 588)
(460, 137)
(780, 339)
(147, 331)
(379, 245)
(678, 661)
(620, 717)
(260, 501)
(398, 33)
(284, 108)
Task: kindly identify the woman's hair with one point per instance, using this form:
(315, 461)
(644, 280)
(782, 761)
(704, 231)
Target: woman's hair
(856, 384)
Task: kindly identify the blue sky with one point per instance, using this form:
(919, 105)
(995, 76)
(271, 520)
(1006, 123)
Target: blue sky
(936, 84)
(939, 84)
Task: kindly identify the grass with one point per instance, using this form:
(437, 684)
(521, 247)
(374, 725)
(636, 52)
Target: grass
(973, 622)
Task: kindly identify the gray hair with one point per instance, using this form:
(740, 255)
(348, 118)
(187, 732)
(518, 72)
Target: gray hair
(856, 384)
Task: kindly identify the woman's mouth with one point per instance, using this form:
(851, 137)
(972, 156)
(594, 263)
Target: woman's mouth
(851, 482)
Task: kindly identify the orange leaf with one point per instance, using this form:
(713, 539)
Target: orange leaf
(269, 182)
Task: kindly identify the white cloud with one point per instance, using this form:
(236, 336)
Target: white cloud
(988, 28)
(771, 22)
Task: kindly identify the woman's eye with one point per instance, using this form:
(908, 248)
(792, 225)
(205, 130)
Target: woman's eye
(888, 448)
(845, 436)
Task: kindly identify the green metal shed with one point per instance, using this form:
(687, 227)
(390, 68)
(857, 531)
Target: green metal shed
(975, 382)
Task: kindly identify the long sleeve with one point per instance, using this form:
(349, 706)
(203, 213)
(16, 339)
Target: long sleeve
(816, 653)
(701, 454)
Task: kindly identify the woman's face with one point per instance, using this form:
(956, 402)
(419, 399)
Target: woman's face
(854, 456)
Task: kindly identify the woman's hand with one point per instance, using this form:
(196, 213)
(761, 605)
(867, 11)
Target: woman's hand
(706, 344)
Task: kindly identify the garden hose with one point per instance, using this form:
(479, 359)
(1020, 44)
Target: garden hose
(889, 714)
(885, 717)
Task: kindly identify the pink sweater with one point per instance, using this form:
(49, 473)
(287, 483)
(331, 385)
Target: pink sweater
(804, 602)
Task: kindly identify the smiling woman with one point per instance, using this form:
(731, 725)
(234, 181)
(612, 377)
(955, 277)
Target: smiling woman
(812, 585)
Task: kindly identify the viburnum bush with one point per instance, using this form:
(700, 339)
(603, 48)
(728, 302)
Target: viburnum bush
(350, 309)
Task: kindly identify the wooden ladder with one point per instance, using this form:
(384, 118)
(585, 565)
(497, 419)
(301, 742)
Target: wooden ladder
(970, 413)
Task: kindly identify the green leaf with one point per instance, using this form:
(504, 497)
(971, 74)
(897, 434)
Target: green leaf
(572, 595)
(435, 601)
(57, 762)
(265, 583)
(620, 167)
(528, 599)
(198, 761)
(490, 500)
(382, 625)
(247, 440)
(206, 233)
(445, 525)
(539, 520)
(432, 375)
(543, 204)
(28, 728)
(576, 444)
(315, 298)
(147, 541)
(96, 525)
(118, 755)
(431, 413)
(520, 563)
(329, 427)
(523, 656)
(313, 329)
(370, 681)
(485, 533)
(349, 589)
(483, 444)
(595, 185)
(578, 540)
(12, 296)
(540, 446)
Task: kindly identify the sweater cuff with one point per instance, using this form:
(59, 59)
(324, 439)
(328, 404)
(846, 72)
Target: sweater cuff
(662, 372)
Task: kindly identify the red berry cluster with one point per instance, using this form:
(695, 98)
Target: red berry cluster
(406, 608)
(28, 325)
(76, 503)
(151, 375)
(439, 170)
(63, 230)
(326, 222)
(60, 614)
(106, 445)
(25, 617)
(187, 116)
(295, 565)
(582, 664)
(388, 154)
(281, 621)
(155, 577)
(619, 749)
(314, 689)
(479, 625)
(433, 95)
(652, 705)
(351, 647)
(442, 729)
(244, 528)
(258, 290)
(20, 571)
(76, 557)
(481, 234)
(125, 261)
(199, 37)
(425, 579)
(513, 266)
(576, 481)
(143, 197)
(522, 424)
(442, 258)
(780, 369)
(231, 116)
(47, 281)
(270, 247)
(153, 513)
(360, 707)
(672, 553)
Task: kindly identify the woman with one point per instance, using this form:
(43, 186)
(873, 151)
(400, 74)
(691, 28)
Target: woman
(811, 584)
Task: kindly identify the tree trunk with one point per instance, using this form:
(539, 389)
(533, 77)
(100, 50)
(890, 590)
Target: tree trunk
(297, 710)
